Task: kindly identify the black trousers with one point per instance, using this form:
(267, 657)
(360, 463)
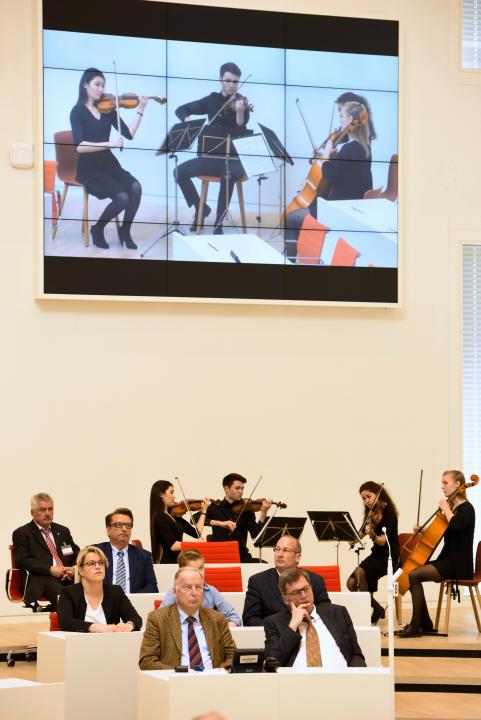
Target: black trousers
(216, 167)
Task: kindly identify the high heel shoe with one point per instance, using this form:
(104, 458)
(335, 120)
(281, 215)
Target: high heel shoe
(98, 237)
(378, 614)
(125, 237)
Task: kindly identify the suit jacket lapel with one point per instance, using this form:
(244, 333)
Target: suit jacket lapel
(173, 621)
(109, 575)
(132, 566)
(209, 633)
(327, 617)
(38, 535)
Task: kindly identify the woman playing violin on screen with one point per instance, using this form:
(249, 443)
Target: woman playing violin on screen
(98, 169)
(379, 513)
(345, 158)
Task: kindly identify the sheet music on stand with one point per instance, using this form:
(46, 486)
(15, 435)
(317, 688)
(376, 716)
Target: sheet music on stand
(181, 136)
(254, 155)
(333, 526)
(277, 527)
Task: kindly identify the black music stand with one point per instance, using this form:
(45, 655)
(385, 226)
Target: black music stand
(180, 137)
(277, 527)
(334, 526)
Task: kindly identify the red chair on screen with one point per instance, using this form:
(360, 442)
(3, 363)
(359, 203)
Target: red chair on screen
(224, 579)
(330, 573)
(344, 254)
(215, 552)
(310, 241)
(391, 191)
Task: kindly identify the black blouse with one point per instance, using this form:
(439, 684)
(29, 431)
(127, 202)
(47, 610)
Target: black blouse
(456, 557)
(170, 530)
(349, 172)
(389, 521)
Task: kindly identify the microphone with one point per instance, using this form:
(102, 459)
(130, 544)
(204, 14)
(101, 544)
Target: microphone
(234, 256)
(387, 540)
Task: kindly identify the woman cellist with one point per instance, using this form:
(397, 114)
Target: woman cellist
(379, 513)
(456, 557)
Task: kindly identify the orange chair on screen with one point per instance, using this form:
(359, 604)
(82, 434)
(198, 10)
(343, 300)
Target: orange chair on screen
(344, 254)
(310, 241)
(330, 573)
(225, 579)
(49, 172)
(215, 552)
(390, 193)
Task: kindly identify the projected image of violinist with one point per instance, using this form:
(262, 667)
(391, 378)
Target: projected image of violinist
(228, 112)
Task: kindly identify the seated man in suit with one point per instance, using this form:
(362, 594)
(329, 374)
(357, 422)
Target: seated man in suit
(186, 633)
(46, 550)
(212, 597)
(263, 597)
(306, 635)
(129, 566)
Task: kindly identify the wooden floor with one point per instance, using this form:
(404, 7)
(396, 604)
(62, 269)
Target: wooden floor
(412, 669)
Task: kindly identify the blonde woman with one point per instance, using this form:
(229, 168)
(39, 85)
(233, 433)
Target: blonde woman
(91, 606)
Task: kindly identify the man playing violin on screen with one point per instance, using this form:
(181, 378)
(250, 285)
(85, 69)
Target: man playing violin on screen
(232, 117)
(228, 523)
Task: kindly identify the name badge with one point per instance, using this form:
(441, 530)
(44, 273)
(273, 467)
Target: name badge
(67, 550)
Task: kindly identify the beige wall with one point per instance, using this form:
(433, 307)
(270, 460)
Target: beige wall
(98, 400)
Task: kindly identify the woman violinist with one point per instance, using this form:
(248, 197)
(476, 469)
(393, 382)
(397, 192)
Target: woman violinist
(346, 170)
(98, 169)
(166, 529)
(379, 512)
(455, 559)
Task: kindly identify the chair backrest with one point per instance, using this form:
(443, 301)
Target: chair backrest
(157, 603)
(49, 170)
(390, 193)
(15, 582)
(330, 573)
(477, 566)
(66, 156)
(137, 543)
(344, 254)
(225, 579)
(54, 622)
(215, 552)
(310, 241)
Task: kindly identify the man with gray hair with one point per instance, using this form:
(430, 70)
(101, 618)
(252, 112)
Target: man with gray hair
(186, 633)
(46, 551)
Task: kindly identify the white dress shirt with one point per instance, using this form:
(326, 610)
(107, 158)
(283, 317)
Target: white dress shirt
(330, 653)
(199, 631)
(115, 553)
(95, 616)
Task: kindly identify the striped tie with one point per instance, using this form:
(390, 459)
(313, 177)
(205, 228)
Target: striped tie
(195, 657)
(52, 548)
(121, 575)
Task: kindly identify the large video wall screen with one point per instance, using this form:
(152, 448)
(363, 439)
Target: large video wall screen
(207, 152)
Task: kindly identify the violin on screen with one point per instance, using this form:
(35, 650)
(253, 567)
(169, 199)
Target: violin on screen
(128, 101)
(230, 107)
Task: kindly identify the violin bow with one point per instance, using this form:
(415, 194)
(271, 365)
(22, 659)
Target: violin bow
(229, 99)
(298, 103)
(248, 499)
(117, 101)
(187, 506)
(419, 498)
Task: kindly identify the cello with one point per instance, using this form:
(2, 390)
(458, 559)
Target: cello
(428, 537)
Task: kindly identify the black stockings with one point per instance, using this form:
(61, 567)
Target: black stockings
(420, 618)
(358, 582)
(124, 201)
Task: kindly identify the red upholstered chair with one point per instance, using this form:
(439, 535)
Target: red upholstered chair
(330, 573)
(67, 160)
(137, 543)
(225, 579)
(310, 241)
(206, 179)
(157, 603)
(215, 552)
(473, 587)
(344, 254)
(54, 622)
(16, 580)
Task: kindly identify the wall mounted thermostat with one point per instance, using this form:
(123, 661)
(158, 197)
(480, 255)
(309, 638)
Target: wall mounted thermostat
(21, 155)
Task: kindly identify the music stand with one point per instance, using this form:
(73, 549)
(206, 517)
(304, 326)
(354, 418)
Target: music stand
(279, 152)
(334, 526)
(180, 137)
(276, 528)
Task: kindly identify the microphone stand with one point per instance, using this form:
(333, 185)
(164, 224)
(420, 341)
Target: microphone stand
(390, 623)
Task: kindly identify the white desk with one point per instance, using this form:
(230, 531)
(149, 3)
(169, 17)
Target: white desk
(24, 700)
(313, 693)
(165, 573)
(249, 248)
(99, 671)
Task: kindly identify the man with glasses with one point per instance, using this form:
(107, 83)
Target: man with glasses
(129, 566)
(186, 633)
(46, 550)
(308, 635)
(263, 597)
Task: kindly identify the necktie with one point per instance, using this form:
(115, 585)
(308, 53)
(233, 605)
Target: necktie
(121, 575)
(52, 548)
(313, 647)
(195, 657)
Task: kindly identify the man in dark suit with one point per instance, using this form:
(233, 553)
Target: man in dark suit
(306, 635)
(263, 596)
(46, 551)
(186, 633)
(129, 566)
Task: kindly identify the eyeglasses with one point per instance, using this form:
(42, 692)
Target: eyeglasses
(280, 550)
(119, 525)
(298, 593)
(94, 563)
(198, 588)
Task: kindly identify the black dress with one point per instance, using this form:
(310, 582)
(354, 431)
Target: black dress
(375, 565)
(349, 173)
(456, 558)
(169, 530)
(100, 172)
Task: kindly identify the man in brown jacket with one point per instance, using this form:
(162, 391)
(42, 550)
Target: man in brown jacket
(186, 633)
